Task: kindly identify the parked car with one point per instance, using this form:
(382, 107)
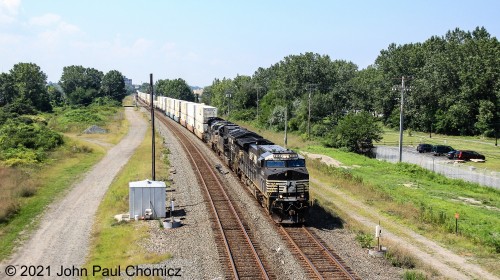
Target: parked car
(452, 155)
(424, 148)
(439, 150)
(468, 155)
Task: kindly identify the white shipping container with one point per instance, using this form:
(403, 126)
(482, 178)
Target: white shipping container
(183, 118)
(191, 116)
(200, 129)
(203, 112)
(168, 110)
(147, 194)
(177, 110)
(162, 102)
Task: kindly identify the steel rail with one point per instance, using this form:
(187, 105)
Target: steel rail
(304, 257)
(318, 247)
(332, 257)
(195, 164)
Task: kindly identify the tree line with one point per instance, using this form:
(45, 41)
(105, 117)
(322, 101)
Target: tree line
(452, 82)
(25, 135)
(24, 89)
(176, 88)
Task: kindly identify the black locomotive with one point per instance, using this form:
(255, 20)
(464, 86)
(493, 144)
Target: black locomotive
(276, 176)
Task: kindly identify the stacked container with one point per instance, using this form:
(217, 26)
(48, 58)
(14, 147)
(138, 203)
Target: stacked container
(191, 115)
(176, 115)
(183, 118)
(203, 113)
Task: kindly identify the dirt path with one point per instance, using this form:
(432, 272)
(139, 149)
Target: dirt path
(62, 238)
(429, 252)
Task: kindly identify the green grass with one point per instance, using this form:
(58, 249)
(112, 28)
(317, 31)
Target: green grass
(76, 120)
(118, 243)
(53, 179)
(434, 199)
(41, 184)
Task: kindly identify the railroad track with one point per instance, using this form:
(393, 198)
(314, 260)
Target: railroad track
(319, 261)
(234, 244)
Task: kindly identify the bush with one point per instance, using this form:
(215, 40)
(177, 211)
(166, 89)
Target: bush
(365, 239)
(356, 131)
(400, 258)
(244, 115)
(26, 143)
(8, 210)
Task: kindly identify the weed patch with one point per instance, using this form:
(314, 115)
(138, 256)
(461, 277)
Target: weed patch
(364, 239)
(400, 257)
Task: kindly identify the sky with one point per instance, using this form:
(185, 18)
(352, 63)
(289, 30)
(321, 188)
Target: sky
(203, 40)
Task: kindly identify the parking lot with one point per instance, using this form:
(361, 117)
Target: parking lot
(441, 165)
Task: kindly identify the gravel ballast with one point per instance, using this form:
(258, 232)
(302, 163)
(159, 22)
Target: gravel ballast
(193, 246)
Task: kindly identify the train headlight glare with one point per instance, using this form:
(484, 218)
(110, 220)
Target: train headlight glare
(281, 196)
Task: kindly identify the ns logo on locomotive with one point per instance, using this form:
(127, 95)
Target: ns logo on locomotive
(277, 177)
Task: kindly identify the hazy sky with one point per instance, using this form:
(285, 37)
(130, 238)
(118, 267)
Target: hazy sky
(199, 41)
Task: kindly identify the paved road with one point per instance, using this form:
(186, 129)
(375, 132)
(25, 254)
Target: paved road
(62, 238)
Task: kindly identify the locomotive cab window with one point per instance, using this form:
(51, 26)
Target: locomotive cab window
(275, 163)
(296, 163)
(285, 163)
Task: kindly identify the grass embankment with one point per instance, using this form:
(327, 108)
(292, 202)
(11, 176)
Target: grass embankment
(26, 190)
(407, 194)
(41, 185)
(118, 243)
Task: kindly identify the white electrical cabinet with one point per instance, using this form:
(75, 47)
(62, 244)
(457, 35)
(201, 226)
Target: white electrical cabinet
(147, 194)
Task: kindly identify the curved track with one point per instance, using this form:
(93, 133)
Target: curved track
(316, 258)
(236, 248)
(233, 241)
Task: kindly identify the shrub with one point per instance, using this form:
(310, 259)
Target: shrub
(8, 209)
(15, 134)
(400, 258)
(26, 142)
(365, 239)
(27, 191)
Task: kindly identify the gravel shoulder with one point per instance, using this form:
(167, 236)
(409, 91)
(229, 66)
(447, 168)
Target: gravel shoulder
(429, 252)
(62, 238)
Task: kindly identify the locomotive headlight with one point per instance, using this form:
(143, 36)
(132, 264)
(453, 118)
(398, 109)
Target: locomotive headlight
(302, 195)
(281, 196)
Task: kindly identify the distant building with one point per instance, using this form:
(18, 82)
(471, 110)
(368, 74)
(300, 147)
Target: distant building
(128, 82)
(198, 92)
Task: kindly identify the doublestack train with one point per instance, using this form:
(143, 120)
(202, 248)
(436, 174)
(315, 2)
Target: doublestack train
(276, 176)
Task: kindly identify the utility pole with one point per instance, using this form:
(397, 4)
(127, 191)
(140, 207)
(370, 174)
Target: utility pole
(403, 88)
(152, 128)
(228, 96)
(286, 124)
(258, 91)
(309, 88)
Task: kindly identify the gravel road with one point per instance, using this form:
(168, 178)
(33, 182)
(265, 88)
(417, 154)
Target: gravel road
(62, 238)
